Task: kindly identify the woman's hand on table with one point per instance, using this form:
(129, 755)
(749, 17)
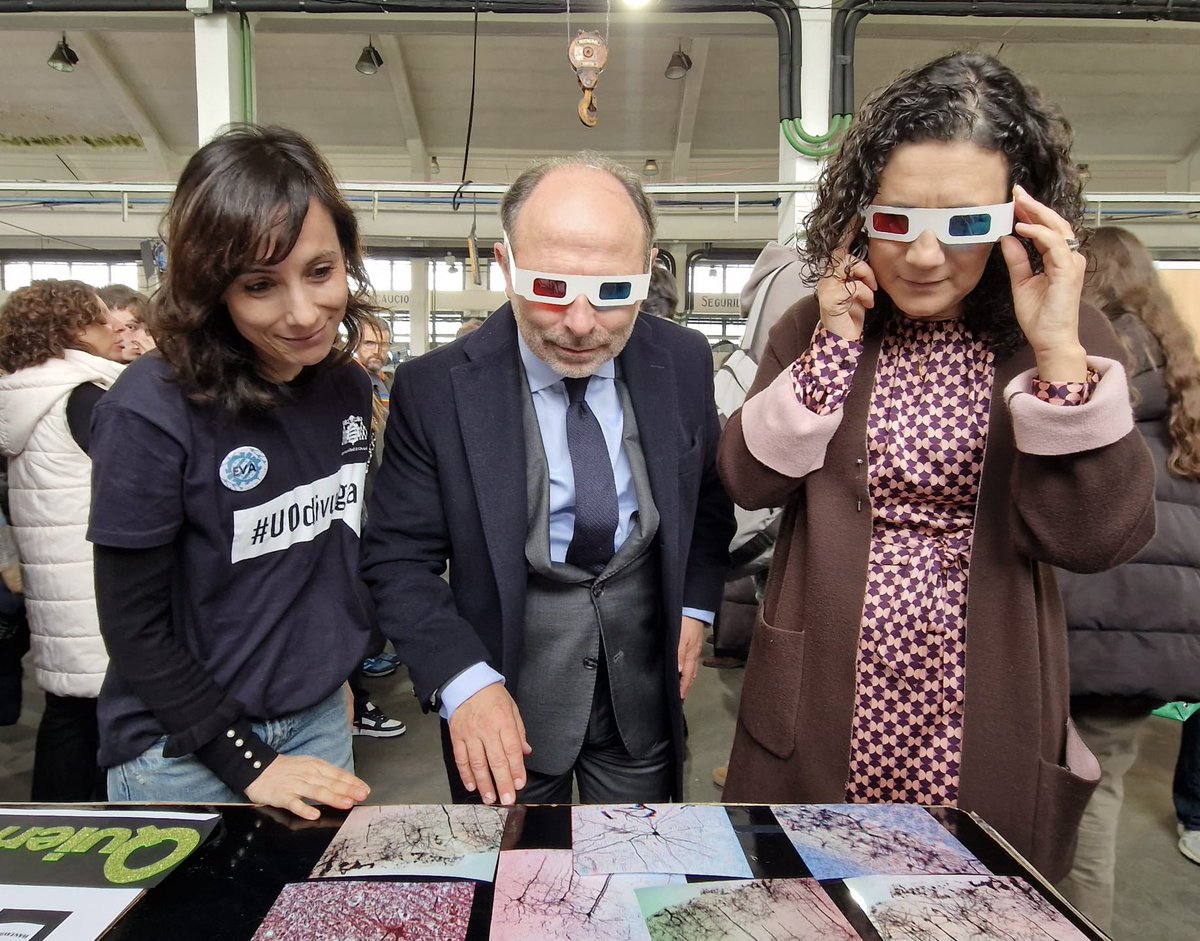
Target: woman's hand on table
(290, 781)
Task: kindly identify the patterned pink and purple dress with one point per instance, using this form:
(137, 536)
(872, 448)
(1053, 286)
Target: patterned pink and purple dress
(926, 432)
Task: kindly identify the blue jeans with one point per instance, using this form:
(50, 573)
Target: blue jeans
(1187, 775)
(321, 731)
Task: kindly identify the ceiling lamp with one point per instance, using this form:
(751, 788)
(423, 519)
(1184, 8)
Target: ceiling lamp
(63, 58)
(370, 61)
(451, 263)
(650, 168)
(679, 65)
(434, 168)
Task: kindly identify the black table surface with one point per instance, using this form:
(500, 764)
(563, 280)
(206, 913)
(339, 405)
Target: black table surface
(224, 889)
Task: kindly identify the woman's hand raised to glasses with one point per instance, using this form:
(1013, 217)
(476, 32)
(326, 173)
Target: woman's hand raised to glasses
(1047, 302)
(845, 293)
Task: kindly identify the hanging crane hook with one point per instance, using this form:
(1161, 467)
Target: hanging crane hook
(588, 54)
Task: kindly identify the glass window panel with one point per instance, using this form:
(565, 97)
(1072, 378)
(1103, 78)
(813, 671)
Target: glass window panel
(379, 270)
(707, 279)
(51, 269)
(446, 277)
(17, 274)
(126, 273)
(495, 278)
(401, 275)
(401, 326)
(89, 272)
(736, 277)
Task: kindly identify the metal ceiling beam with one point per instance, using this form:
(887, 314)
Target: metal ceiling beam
(396, 70)
(689, 107)
(100, 58)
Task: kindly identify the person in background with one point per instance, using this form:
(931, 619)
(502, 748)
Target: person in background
(228, 485)
(1186, 788)
(663, 299)
(1135, 630)
(775, 284)
(127, 310)
(371, 354)
(942, 420)
(57, 352)
(14, 627)
(563, 457)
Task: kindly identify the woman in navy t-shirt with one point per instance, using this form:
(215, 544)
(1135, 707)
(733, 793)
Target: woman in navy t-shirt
(227, 494)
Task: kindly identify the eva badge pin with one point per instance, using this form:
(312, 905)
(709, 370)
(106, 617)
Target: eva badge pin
(243, 469)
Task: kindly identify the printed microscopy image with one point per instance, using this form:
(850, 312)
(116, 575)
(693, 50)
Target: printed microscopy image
(761, 910)
(540, 896)
(840, 841)
(960, 908)
(347, 910)
(418, 839)
(683, 838)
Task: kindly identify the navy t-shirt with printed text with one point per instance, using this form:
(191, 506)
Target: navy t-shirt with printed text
(263, 512)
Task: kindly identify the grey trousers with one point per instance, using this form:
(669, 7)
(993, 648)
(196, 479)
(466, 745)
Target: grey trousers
(1109, 726)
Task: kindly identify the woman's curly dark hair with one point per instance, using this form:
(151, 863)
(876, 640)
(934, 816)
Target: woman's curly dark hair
(38, 322)
(245, 192)
(964, 96)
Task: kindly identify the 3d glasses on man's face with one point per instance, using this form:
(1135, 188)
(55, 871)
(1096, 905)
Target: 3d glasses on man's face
(562, 289)
(968, 225)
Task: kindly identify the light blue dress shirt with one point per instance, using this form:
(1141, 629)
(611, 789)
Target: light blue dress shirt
(550, 405)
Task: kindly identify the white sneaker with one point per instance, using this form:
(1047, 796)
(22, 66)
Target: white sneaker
(1189, 843)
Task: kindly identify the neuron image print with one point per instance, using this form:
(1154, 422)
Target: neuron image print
(680, 838)
(839, 841)
(960, 908)
(337, 910)
(540, 896)
(430, 840)
(761, 910)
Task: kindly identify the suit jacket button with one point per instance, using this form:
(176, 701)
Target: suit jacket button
(590, 663)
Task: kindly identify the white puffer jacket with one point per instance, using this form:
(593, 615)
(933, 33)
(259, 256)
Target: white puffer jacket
(50, 494)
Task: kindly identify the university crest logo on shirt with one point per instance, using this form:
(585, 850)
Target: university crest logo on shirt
(354, 430)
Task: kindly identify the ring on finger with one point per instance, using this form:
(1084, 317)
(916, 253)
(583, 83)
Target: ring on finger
(1073, 244)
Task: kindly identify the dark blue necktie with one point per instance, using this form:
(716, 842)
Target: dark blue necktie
(595, 491)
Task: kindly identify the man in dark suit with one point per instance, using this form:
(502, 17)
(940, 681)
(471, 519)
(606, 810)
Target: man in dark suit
(562, 459)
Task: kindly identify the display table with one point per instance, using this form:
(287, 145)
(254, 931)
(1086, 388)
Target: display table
(226, 888)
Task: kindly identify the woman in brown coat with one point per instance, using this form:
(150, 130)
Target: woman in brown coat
(942, 422)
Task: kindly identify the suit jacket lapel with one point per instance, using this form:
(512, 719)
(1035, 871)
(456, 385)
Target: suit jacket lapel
(487, 390)
(648, 371)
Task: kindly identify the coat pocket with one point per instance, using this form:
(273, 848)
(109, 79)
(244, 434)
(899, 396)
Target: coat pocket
(771, 690)
(1063, 793)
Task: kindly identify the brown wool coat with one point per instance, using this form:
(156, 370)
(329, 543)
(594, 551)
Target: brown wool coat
(1085, 512)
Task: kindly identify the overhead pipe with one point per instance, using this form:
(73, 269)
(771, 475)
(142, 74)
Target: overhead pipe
(851, 13)
(783, 14)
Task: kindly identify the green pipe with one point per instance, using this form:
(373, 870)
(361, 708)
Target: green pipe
(812, 150)
(247, 75)
(837, 124)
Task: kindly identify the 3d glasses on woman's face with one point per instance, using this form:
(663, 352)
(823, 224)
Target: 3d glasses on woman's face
(562, 289)
(967, 225)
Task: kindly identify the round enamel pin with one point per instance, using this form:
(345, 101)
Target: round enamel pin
(243, 468)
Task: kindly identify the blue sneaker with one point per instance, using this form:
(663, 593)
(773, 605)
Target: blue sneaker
(383, 665)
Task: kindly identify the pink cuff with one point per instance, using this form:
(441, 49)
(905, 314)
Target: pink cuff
(783, 434)
(1045, 428)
